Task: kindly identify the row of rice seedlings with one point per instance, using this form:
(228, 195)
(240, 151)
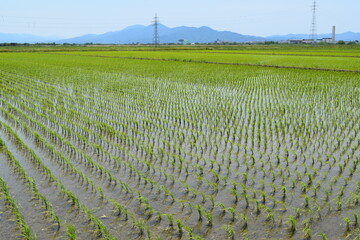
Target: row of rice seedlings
(31, 184)
(11, 203)
(100, 228)
(145, 179)
(283, 188)
(63, 159)
(128, 214)
(100, 146)
(67, 145)
(74, 169)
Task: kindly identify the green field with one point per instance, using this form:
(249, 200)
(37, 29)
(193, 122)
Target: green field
(211, 142)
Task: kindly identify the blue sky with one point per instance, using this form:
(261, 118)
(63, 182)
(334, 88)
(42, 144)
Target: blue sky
(68, 18)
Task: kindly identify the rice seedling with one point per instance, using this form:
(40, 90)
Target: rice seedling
(244, 218)
(323, 236)
(170, 219)
(356, 217)
(209, 217)
(292, 224)
(70, 232)
(229, 230)
(307, 232)
(232, 211)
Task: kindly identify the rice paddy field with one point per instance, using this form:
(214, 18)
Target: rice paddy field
(115, 142)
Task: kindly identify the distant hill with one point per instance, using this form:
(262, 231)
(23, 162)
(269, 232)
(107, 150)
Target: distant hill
(25, 38)
(144, 34)
(346, 36)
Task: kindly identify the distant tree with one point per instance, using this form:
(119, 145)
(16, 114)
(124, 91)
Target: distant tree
(341, 42)
(351, 43)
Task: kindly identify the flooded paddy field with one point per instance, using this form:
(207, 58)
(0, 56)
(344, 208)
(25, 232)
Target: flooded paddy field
(149, 145)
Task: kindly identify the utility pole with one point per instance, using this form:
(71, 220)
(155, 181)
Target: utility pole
(156, 41)
(313, 34)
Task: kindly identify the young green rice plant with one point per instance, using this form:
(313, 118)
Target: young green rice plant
(347, 224)
(235, 194)
(170, 219)
(180, 226)
(354, 199)
(306, 198)
(341, 168)
(284, 191)
(200, 212)
(157, 217)
(307, 232)
(327, 195)
(212, 201)
(310, 178)
(323, 236)
(221, 206)
(189, 232)
(229, 230)
(263, 197)
(304, 187)
(246, 198)
(341, 192)
(244, 218)
(356, 217)
(257, 207)
(292, 224)
(270, 217)
(209, 217)
(233, 213)
(141, 226)
(70, 232)
(338, 204)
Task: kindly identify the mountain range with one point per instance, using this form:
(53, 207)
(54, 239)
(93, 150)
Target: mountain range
(144, 34)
